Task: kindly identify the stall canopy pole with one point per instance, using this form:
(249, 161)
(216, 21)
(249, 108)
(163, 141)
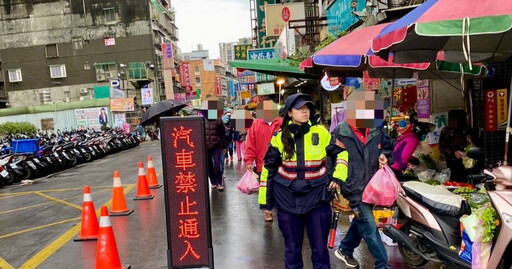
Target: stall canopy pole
(509, 130)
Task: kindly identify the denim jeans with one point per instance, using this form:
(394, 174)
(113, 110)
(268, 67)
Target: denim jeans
(214, 166)
(364, 227)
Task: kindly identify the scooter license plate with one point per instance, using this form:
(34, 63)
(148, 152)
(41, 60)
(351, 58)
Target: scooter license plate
(14, 166)
(4, 173)
(31, 164)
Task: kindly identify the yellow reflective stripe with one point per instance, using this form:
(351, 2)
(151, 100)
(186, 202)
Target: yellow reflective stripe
(262, 191)
(341, 169)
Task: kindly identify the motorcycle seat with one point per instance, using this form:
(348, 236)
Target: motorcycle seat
(437, 198)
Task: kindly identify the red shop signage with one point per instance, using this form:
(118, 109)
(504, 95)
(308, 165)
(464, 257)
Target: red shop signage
(187, 201)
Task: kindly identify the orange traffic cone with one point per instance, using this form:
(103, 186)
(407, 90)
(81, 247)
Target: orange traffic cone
(107, 256)
(119, 207)
(142, 186)
(89, 229)
(152, 178)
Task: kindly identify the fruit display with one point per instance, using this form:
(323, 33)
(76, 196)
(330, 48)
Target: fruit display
(455, 184)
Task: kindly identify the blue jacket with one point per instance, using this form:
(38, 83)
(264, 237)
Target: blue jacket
(363, 160)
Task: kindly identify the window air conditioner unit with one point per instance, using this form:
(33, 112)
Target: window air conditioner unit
(101, 77)
(84, 91)
(65, 99)
(110, 74)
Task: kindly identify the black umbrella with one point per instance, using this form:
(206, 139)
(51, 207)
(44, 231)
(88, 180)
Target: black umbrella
(162, 108)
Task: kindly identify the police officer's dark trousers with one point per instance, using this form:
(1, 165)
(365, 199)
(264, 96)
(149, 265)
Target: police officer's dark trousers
(317, 223)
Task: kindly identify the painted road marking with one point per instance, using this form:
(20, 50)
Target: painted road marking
(4, 264)
(50, 190)
(46, 203)
(49, 250)
(58, 200)
(38, 227)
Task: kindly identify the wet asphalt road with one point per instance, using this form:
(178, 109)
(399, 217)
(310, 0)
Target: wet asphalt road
(37, 222)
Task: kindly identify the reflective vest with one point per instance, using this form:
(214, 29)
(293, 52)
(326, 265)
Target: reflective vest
(308, 164)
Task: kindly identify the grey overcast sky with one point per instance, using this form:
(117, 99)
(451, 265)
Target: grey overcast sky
(210, 22)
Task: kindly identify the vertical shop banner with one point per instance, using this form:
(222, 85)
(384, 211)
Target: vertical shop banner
(490, 111)
(241, 51)
(185, 76)
(232, 89)
(218, 86)
(167, 57)
(502, 113)
(423, 99)
(146, 96)
(264, 41)
(187, 202)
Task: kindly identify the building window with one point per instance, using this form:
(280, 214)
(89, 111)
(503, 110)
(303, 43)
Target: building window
(47, 124)
(110, 15)
(78, 43)
(52, 51)
(105, 71)
(196, 70)
(58, 71)
(198, 81)
(14, 75)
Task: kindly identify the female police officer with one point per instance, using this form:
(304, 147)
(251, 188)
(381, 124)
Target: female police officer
(294, 179)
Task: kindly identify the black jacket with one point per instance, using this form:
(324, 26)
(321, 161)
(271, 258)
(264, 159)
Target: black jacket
(215, 133)
(363, 160)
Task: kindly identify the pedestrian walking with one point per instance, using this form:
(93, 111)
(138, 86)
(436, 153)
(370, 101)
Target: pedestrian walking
(239, 138)
(294, 179)
(229, 140)
(258, 138)
(215, 134)
(369, 149)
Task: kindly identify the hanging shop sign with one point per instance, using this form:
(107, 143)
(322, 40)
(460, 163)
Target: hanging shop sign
(187, 203)
(330, 83)
(180, 97)
(502, 109)
(265, 88)
(146, 96)
(245, 94)
(167, 57)
(241, 51)
(423, 99)
(278, 16)
(258, 54)
(122, 104)
(264, 41)
(340, 15)
(490, 111)
(369, 83)
(185, 76)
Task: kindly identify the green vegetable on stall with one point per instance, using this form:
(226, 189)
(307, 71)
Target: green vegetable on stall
(488, 217)
(428, 161)
(433, 182)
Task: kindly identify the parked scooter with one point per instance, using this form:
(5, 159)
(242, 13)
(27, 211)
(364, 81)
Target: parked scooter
(430, 230)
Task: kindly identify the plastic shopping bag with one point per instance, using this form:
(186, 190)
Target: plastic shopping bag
(382, 189)
(248, 183)
(481, 251)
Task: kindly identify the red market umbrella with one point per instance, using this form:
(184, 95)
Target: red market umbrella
(467, 31)
(351, 54)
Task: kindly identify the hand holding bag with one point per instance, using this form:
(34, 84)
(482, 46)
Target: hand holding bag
(382, 189)
(248, 183)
